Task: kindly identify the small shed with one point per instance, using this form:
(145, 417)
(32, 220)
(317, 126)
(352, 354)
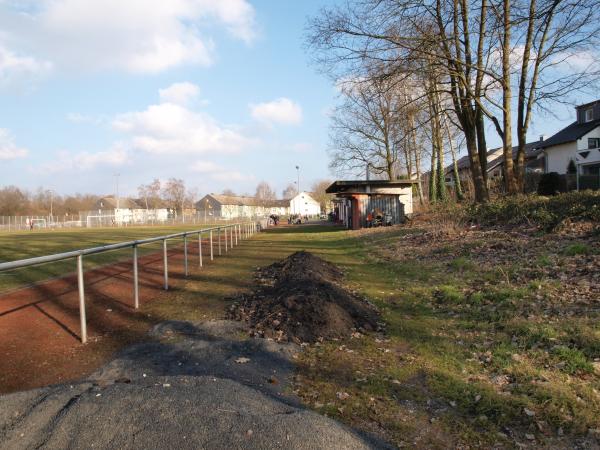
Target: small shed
(356, 199)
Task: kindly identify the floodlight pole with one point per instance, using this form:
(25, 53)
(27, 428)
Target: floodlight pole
(298, 173)
(117, 175)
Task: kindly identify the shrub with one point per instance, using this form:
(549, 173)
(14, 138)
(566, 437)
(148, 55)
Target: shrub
(549, 184)
(545, 212)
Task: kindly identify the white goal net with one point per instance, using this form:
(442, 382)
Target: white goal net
(100, 221)
(38, 223)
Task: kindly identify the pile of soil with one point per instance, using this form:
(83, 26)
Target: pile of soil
(301, 299)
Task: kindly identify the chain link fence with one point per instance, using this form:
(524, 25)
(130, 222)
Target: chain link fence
(96, 219)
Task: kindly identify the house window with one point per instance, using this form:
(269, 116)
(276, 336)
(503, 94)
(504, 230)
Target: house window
(593, 143)
(589, 115)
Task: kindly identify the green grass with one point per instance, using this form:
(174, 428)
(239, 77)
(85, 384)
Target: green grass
(21, 245)
(577, 249)
(451, 330)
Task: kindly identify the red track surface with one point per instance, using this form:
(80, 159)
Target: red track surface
(39, 325)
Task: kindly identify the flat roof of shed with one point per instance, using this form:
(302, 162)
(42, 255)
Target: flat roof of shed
(345, 185)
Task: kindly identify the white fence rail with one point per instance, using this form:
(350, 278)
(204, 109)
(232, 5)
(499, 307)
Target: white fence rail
(234, 233)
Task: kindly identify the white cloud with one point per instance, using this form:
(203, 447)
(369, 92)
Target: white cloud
(179, 93)
(577, 61)
(143, 36)
(17, 68)
(233, 175)
(301, 147)
(219, 173)
(168, 128)
(283, 110)
(115, 156)
(86, 119)
(8, 147)
(204, 167)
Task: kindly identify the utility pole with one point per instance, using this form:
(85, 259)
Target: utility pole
(117, 175)
(298, 172)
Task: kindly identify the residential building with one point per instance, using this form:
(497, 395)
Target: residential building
(534, 162)
(304, 205)
(110, 211)
(576, 148)
(231, 207)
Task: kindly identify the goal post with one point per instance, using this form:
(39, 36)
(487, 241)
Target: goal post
(99, 221)
(38, 223)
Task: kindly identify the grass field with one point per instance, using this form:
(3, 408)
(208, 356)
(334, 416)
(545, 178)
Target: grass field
(21, 245)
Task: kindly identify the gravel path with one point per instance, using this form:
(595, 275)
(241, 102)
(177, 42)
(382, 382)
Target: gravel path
(193, 386)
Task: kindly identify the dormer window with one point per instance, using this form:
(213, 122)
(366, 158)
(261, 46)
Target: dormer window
(589, 115)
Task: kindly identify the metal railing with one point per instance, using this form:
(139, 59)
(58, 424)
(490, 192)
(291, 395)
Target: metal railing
(237, 232)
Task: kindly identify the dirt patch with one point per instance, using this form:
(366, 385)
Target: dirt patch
(301, 299)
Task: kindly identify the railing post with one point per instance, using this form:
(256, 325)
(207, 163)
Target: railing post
(165, 265)
(219, 239)
(232, 229)
(200, 247)
(225, 230)
(136, 291)
(82, 318)
(211, 245)
(237, 231)
(185, 254)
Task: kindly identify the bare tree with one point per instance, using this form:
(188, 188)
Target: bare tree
(13, 201)
(365, 129)
(228, 192)
(318, 193)
(264, 193)
(150, 193)
(289, 192)
(410, 37)
(174, 194)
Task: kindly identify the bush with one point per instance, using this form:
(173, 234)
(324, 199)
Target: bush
(545, 212)
(549, 184)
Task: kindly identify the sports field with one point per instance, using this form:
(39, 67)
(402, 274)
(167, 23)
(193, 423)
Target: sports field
(29, 244)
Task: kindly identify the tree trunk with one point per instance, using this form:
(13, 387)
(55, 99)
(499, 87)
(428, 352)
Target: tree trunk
(481, 144)
(509, 174)
(479, 184)
(457, 186)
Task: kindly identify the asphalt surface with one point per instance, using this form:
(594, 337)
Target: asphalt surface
(192, 386)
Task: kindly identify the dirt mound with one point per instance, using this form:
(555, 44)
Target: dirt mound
(300, 299)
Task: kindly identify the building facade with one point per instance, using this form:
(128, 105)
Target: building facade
(356, 200)
(304, 205)
(575, 149)
(233, 206)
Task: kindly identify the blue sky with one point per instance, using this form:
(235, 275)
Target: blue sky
(71, 127)
(220, 94)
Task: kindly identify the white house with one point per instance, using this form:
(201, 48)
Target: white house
(305, 205)
(576, 148)
(233, 206)
(110, 211)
